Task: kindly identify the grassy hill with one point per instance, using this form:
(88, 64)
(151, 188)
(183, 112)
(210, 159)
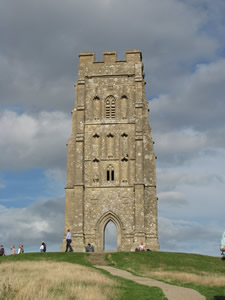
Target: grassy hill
(203, 273)
(65, 276)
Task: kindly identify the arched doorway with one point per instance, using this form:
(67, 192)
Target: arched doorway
(110, 237)
(108, 221)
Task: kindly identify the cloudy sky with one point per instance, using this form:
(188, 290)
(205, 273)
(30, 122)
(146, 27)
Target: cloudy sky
(183, 47)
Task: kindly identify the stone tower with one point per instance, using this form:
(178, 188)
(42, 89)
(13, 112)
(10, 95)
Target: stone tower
(111, 173)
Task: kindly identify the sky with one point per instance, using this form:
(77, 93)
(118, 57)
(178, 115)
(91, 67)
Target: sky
(183, 48)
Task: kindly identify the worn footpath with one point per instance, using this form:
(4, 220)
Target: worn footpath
(172, 292)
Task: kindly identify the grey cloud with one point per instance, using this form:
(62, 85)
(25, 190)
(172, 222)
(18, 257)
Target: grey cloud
(178, 146)
(33, 141)
(172, 198)
(42, 221)
(187, 236)
(169, 179)
(38, 57)
(198, 102)
(189, 121)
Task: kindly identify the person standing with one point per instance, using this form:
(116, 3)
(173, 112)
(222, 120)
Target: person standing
(13, 250)
(20, 249)
(68, 241)
(2, 251)
(43, 247)
(222, 247)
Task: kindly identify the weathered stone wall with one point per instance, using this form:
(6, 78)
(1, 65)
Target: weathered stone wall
(111, 163)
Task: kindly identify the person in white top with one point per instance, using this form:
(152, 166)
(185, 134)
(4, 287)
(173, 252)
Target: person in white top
(20, 249)
(68, 241)
(142, 247)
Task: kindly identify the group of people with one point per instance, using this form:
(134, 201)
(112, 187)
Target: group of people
(89, 247)
(13, 250)
(20, 249)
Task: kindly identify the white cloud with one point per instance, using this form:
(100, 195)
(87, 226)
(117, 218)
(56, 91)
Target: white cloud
(172, 198)
(36, 58)
(195, 103)
(180, 145)
(43, 220)
(29, 141)
(187, 236)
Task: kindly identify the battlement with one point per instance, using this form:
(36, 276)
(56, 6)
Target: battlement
(111, 57)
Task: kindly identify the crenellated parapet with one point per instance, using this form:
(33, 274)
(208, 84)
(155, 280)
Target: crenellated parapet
(110, 57)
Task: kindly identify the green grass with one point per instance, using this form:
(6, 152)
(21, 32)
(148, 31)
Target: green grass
(128, 290)
(131, 290)
(138, 263)
(75, 258)
(180, 262)
(193, 263)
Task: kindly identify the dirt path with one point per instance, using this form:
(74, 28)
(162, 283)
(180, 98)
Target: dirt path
(172, 292)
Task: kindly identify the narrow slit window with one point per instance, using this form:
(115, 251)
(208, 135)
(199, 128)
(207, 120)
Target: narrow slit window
(108, 175)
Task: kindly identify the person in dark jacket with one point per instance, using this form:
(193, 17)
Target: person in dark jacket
(2, 250)
(43, 247)
(90, 248)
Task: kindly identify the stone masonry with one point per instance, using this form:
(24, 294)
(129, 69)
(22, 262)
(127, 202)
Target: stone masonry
(111, 172)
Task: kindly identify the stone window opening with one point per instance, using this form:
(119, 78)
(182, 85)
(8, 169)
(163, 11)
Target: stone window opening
(95, 170)
(124, 106)
(95, 160)
(110, 108)
(125, 146)
(110, 135)
(110, 175)
(110, 145)
(96, 135)
(96, 108)
(124, 169)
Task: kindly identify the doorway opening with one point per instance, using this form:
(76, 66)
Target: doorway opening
(110, 237)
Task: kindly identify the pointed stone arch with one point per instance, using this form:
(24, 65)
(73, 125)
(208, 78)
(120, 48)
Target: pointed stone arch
(100, 228)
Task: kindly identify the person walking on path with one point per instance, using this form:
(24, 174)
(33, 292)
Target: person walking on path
(68, 241)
